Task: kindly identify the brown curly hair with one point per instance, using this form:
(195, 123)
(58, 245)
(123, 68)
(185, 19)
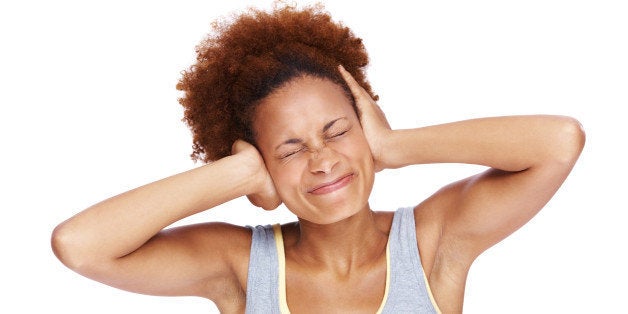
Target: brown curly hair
(245, 60)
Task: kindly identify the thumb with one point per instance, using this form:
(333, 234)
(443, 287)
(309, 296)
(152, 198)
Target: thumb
(238, 146)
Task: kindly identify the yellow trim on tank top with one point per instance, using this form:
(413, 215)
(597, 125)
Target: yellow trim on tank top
(283, 300)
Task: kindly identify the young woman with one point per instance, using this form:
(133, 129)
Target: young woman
(281, 112)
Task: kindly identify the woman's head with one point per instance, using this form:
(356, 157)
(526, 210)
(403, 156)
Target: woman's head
(246, 60)
(314, 149)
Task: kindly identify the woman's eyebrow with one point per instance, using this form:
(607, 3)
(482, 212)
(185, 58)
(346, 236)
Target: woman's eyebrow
(326, 127)
(290, 141)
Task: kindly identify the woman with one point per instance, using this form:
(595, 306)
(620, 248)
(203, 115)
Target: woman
(281, 111)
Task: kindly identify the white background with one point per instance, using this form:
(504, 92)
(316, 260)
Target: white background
(88, 109)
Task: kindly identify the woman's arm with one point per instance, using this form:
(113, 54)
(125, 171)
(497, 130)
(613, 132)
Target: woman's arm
(120, 241)
(529, 158)
(513, 144)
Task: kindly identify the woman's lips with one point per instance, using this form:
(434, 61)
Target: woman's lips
(332, 185)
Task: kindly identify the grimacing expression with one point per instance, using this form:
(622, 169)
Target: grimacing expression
(315, 150)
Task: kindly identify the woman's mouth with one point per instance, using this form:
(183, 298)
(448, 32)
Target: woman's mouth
(332, 186)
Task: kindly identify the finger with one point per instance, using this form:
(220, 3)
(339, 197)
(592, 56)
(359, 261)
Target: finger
(363, 100)
(354, 86)
(238, 146)
(382, 116)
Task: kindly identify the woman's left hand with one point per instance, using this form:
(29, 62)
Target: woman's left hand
(374, 123)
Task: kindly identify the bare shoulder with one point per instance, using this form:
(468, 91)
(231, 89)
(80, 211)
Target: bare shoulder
(445, 270)
(221, 252)
(431, 217)
(213, 235)
(218, 239)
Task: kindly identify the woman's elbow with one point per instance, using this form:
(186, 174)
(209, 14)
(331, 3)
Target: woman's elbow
(66, 246)
(60, 241)
(570, 140)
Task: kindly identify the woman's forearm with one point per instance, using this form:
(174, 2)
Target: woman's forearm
(118, 226)
(511, 143)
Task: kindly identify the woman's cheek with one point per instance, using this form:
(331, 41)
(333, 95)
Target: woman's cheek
(287, 176)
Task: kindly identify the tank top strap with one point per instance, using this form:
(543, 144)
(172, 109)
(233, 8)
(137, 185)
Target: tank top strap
(262, 282)
(409, 289)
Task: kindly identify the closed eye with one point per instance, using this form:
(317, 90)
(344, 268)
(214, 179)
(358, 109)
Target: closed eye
(339, 134)
(290, 153)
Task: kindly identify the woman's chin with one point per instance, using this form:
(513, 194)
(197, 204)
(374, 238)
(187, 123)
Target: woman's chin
(330, 214)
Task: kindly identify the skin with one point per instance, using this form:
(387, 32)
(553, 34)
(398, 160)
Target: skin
(319, 158)
(323, 171)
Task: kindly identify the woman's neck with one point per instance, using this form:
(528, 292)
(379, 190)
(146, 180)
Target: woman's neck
(344, 245)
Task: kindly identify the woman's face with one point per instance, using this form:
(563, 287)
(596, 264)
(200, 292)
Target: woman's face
(315, 150)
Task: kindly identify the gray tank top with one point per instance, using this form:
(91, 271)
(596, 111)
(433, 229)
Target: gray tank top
(407, 290)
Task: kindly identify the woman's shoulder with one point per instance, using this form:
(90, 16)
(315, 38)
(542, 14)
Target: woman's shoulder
(225, 246)
(215, 232)
(230, 242)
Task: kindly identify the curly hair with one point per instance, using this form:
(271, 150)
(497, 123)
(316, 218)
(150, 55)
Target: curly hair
(246, 59)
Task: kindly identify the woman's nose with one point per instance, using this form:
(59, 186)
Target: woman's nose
(322, 160)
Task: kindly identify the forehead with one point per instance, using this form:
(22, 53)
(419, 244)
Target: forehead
(304, 103)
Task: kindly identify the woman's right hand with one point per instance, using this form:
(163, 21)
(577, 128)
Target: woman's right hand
(264, 194)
